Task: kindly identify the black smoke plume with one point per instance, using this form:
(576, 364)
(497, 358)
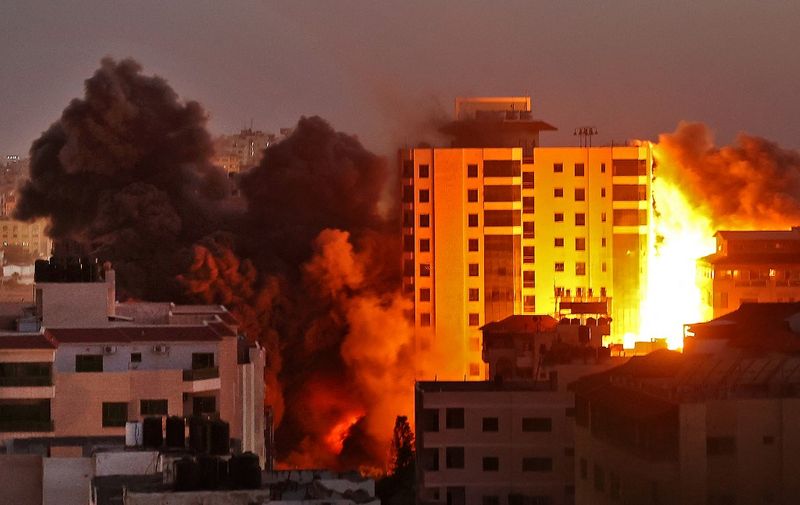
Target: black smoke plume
(306, 261)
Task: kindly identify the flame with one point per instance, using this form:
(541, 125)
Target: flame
(336, 437)
(680, 235)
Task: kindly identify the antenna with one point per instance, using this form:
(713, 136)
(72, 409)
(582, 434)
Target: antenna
(585, 133)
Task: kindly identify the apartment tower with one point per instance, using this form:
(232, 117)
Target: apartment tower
(496, 225)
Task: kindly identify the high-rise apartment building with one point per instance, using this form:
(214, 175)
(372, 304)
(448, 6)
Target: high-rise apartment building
(496, 225)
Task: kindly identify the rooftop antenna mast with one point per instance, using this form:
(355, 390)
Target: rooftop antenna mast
(585, 133)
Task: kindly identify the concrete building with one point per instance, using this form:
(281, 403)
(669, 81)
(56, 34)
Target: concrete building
(241, 151)
(713, 425)
(78, 365)
(508, 440)
(750, 266)
(497, 225)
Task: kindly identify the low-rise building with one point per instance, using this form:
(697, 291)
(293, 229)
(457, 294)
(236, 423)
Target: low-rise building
(508, 440)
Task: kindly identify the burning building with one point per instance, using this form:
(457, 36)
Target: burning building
(496, 225)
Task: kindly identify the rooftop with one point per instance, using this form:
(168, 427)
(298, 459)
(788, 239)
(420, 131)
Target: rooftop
(521, 324)
(793, 234)
(128, 334)
(483, 386)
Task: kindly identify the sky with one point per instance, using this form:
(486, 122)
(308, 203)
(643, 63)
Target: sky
(382, 70)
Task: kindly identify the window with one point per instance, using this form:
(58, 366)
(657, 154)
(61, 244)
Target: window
(424, 196)
(424, 245)
(558, 168)
(602, 192)
(579, 170)
(204, 405)
(474, 319)
(425, 294)
(529, 304)
(768, 440)
(454, 419)
(603, 242)
(424, 220)
(528, 279)
(501, 193)
(424, 269)
(502, 168)
(603, 217)
(473, 220)
(558, 192)
(720, 446)
(538, 424)
(454, 457)
(474, 294)
(580, 243)
(528, 229)
(580, 268)
(603, 267)
(136, 357)
(408, 219)
(472, 171)
(430, 460)
(529, 254)
(558, 242)
(569, 452)
(491, 464)
(408, 168)
(153, 407)
(474, 369)
(202, 360)
(474, 344)
(559, 266)
(580, 194)
(474, 270)
(602, 168)
(491, 424)
(527, 180)
(89, 363)
(472, 245)
(537, 464)
(430, 419)
(558, 217)
(425, 319)
(580, 219)
(424, 171)
(528, 204)
(472, 195)
(114, 414)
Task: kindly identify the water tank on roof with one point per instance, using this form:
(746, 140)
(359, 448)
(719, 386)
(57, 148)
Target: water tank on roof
(209, 472)
(187, 475)
(133, 434)
(152, 434)
(219, 439)
(245, 473)
(176, 432)
(198, 436)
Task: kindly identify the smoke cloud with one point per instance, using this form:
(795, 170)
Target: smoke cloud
(753, 183)
(301, 259)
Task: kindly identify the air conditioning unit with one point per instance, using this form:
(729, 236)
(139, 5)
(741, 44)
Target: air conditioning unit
(160, 349)
(109, 349)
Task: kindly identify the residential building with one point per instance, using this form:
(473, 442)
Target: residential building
(714, 425)
(496, 225)
(78, 365)
(241, 151)
(750, 266)
(508, 440)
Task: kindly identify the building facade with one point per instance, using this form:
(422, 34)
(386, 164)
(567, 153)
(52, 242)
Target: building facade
(78, 365)
(749, 266)
(509, 227)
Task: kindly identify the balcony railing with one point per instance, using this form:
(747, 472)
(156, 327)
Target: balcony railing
(201, 374)
(21, 425)
(23, 381)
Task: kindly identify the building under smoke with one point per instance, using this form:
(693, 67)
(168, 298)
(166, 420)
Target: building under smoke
(496, 225)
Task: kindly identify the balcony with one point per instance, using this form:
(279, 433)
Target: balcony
(26, 425)
(25, 381)
(200, 374)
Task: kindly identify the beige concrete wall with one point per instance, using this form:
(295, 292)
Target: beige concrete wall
(74, 304)
(67, 481)
(21, 479)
